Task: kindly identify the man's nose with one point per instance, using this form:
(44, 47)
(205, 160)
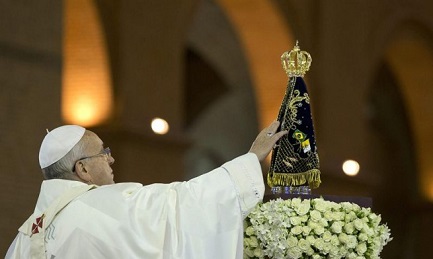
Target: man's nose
(111, 160)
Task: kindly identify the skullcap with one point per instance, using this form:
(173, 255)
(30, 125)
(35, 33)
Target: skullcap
(58, 142)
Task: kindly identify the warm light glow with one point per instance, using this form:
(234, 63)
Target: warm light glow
(86, 86)
(350, 167)
(84, 109)
(257, 34)
(428, 186)
(159, 126)
(431, 192)
(415, 84)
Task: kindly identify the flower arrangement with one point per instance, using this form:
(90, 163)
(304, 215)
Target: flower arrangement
(315, 228)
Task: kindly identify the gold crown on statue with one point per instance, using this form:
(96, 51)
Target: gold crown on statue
(296, 62)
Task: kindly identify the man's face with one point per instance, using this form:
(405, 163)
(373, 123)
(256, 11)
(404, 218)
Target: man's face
(98, 164)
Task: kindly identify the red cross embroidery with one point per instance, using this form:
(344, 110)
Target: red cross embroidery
(38, 224)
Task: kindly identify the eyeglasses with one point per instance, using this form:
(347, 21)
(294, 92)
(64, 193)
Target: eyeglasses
(106, 152)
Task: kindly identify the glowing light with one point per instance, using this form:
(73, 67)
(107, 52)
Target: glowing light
(351, 167)
(430, 194)
(86, 86)
(159, 126)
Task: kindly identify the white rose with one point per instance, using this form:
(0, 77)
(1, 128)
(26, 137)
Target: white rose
(362, 237)
(303, 244)
(335, 241)
(319, 230)
(327, 236)
(347, 206)
(249, 231)
(306, 230)
(319, 244)
(372, 216)
(358, 224)
(352, 242)
(292, 241)
(258, 253)
(315, 215)
(303, 208)
(361, 248)
(334, 251)
(336, 227)
(249, 252)
(246, 241)
(294, 253)
(336, 206)
(349, 228)
(376, 219)
(310, 240)
(350, 216)
(328, 215)
(338, 215)
(323, 222)
(367, 230)
(295, 221)
(296, 202)
(343, 238)
(365, 211)
(376, 244)
(296, 230)
(310, 251)
(254, 242)
(327, 247)
(304, 218)
(312, 224)
(320, 205)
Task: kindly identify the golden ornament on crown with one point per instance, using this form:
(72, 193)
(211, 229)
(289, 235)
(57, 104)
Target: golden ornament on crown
(296, 62)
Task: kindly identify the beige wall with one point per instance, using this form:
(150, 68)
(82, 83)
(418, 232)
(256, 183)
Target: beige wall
(359, 104)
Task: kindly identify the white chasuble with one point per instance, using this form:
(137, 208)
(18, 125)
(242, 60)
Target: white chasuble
(198, 219)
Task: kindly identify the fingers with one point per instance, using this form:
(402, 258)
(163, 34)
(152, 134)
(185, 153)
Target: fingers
(266, 140)
(273, 127)
(278, 135)
(271, 131)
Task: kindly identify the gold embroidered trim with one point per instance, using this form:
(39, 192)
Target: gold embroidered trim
(312, 177)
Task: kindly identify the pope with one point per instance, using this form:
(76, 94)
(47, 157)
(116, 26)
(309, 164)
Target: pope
(82, 213)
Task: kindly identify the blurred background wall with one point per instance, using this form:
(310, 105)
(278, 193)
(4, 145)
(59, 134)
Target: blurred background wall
(211, 69)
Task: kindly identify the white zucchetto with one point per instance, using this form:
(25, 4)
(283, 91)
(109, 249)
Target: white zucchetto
(58, 142)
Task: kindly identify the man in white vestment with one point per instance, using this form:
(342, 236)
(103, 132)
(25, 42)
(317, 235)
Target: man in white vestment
(82, 213)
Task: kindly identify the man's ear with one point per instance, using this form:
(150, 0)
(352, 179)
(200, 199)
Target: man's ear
(82, 173)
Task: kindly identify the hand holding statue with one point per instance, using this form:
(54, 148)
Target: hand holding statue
(266, 140)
